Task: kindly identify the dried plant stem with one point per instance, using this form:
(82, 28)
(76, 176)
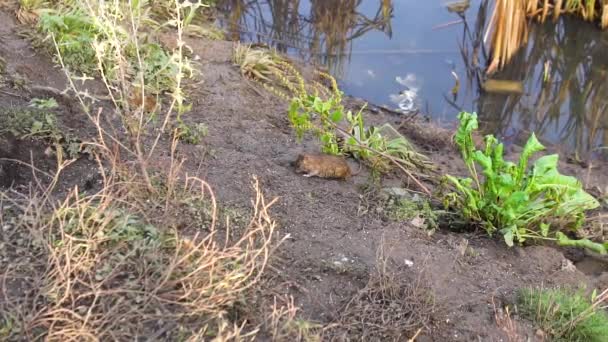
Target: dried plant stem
(392, 159)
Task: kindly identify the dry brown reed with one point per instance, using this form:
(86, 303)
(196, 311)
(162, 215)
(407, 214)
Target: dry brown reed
(508, 28)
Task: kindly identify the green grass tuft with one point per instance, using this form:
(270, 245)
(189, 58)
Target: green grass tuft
(566, 315)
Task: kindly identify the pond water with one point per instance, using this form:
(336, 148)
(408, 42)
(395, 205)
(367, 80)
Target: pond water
(407, 54)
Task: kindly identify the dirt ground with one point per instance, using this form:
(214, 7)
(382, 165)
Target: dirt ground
(333, 244)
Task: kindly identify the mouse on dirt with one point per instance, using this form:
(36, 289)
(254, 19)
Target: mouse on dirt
(323, 166)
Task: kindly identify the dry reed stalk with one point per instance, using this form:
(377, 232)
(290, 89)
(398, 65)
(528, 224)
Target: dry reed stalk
(509, 31)
(508, 24)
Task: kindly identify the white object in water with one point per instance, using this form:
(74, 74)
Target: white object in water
(406, 100)
(409, 82)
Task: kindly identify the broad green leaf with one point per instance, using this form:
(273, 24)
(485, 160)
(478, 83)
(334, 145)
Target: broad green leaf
(336, 116)
(326, 106)
(488, 171)
(317, 105)
(508, 235)
(490, 142)
(545, 165)
(516, 199)
(544, 229)
(483, 160)
(463, 137)
(505, 185)
(532, 146)
(578, 202)
(567, 191)
(497, 157)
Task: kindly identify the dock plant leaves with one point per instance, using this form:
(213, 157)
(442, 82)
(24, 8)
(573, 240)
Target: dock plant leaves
(519, 201)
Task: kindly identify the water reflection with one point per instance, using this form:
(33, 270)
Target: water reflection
(368, 44)
(565, 100)
(325, 34)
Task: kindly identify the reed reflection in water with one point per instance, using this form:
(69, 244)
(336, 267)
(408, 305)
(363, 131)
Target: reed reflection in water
(324, 36)
(565, 99)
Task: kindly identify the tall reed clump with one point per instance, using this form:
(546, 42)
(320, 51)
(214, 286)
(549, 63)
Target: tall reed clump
(508, 27)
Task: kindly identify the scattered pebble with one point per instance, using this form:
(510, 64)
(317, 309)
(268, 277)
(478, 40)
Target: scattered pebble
(397, 192)
(568, 266)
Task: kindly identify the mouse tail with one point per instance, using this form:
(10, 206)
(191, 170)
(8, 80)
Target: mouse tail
(359, 169)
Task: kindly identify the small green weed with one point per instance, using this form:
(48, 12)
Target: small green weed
(75, 33)
(192, 134)
(416, 211)
(49, 103)
(379, 146)
(565, 315)
(520, 202)
(158, 67)
(90, 45)
(32, 122)
(113, 225)
(305, 109)
(39, 122)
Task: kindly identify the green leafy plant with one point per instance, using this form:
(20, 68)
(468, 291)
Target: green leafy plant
(32, 122)
(518, 201)
(304, 110)
(158, 67)
(564, 314)
(331, 123)
(418, 212)
(91, 44)
(75, 32)
(38, 122)
(113, 225)
(50, 103)
(192, 134)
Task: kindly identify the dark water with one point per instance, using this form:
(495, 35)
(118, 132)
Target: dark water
(379, 48)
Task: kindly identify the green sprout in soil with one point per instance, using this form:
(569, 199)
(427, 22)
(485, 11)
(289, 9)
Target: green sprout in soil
(75, 32)
(88, 43)
(520, 202)
(38, 121)
(418, 212)
(564, 314)
(192, 134)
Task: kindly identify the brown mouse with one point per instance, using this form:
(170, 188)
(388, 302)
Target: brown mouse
(323, 165)
(148, 103)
